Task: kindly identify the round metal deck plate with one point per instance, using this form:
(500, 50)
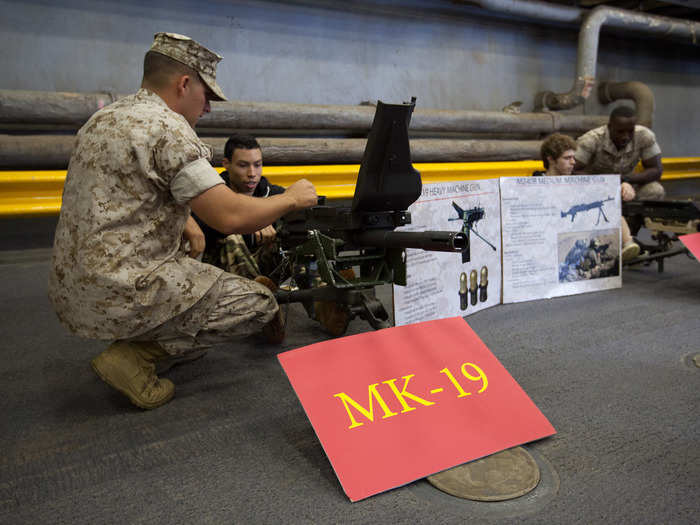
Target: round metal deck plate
(505, 475)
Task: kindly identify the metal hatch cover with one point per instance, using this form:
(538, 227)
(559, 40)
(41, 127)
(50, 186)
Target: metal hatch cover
(505, 475)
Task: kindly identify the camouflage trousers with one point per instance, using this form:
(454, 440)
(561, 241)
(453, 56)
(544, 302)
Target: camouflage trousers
(649, 191)
(233, 256)
(233, 307)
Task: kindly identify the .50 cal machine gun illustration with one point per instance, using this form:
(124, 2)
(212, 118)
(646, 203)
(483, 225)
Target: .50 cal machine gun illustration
(469, 219)
(336, 239)
(588, 206)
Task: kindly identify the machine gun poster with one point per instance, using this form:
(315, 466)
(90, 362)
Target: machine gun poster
(441, 285)
(557, 238)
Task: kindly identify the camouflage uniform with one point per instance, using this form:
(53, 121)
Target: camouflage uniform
(119, 270)
(233, 255)
(600, 156)
(240, 254)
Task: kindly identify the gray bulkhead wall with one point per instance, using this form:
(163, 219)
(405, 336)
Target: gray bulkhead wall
(449, 57)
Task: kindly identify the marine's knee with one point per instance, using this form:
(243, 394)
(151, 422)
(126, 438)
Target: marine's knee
(651, 191)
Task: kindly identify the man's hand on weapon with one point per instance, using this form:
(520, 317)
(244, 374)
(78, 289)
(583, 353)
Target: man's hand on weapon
(267, 234)
(194, 235)
(627, 191)
(303, 193)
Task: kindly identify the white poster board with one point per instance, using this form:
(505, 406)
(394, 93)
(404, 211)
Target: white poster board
(440, 284)
(561, 235)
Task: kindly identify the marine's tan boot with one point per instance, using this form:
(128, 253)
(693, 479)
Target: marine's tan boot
(629, 251)
(154, 353)
(274, 330)
(130, 368)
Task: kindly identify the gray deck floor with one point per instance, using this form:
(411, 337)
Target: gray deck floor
(608, 369)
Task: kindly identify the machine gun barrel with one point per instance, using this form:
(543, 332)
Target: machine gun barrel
(438, 241)
(679, 211)
(324, 245)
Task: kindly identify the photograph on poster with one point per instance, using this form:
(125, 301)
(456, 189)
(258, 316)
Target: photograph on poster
(441, 285)
(588, 255)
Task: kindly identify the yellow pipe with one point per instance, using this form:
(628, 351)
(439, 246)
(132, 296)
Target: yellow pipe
(36, 193)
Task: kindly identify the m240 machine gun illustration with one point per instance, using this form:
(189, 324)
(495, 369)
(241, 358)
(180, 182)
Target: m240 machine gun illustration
(665, 220)
(588, 206)
(469, 219)
(323, 244)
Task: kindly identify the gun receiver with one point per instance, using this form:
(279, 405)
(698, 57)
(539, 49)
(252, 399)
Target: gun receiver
(371, 230)
(332, 240)
(665, 212)
(665, 219)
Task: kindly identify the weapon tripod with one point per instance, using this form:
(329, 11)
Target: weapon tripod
(601, 212)
(665, 220)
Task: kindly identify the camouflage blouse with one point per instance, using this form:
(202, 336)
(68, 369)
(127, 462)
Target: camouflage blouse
(119, 268)
(596, 150)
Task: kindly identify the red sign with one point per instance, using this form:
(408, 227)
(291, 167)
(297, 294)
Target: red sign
(692, 242)
(399, 404)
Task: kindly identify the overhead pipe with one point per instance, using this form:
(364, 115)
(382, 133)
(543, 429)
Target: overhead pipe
(589, 35)
(640, 93)
(75, 109)
(535, 9)
(54, 151)
(591, 22)
(50, 107)
(55, 108)
(266, 115)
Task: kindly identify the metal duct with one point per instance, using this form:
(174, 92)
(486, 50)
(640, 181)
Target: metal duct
(73, 109)
(53, 151)
(537, 10)
(686, 31)
(252, 115)
(49, 107)
(589, 35)
(637, 91)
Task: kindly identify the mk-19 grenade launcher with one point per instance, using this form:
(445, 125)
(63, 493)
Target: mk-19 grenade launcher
(323, 241)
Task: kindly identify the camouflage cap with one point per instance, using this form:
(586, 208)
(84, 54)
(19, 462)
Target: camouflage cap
(193, 54)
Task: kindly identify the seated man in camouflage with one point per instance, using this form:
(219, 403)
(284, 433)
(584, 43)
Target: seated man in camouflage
(120, 271)
(258, 254)
(617, 148)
